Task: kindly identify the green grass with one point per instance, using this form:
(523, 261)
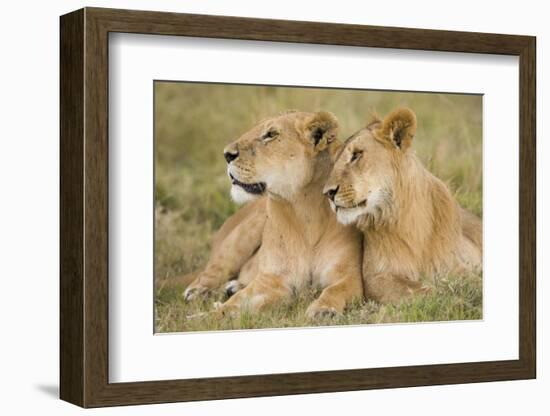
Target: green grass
(452, 299)
(193, 122)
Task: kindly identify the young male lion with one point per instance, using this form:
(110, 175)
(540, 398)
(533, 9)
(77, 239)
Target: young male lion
(287, 158)
(412, 225)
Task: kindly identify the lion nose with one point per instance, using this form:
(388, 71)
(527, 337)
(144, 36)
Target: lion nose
(230, 156)
(331, 192)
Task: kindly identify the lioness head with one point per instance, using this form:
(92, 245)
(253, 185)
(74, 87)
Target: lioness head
(280, 155)
(362, 182)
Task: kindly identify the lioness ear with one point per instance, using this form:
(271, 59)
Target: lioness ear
(399, 127)
(322, 128)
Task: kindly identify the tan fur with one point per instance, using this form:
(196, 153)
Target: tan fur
(412, 225)
(301, 241)
(233, 247)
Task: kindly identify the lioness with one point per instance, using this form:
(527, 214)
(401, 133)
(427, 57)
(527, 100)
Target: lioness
(287, 158)
(412, 225)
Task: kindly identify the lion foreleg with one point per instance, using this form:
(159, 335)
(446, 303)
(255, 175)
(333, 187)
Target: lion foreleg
(261, 292)
(392, 288)
(230, 256)
(345, 287)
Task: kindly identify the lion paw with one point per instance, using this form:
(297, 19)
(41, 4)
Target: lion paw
(316, 311)
(224, 310)
(195, 291)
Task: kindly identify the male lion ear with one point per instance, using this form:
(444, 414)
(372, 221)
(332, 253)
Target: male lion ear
(374, 120)
(322, 129)
(399, 127)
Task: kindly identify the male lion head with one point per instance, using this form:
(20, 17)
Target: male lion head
(281, 155)
(368, 168)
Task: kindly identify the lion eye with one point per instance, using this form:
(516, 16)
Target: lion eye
(270, 135)
(356, 155)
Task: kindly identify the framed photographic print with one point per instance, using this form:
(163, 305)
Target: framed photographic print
(255, 207)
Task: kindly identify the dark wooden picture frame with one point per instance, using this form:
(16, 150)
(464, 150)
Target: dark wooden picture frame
(84, 207)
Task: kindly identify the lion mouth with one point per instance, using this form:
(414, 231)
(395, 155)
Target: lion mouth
(252, 188)
(361, 204)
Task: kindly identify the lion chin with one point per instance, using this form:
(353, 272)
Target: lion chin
(240, 196)
(347, 216)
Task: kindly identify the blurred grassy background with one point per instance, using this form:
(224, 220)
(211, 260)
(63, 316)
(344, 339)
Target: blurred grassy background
(193, 123)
